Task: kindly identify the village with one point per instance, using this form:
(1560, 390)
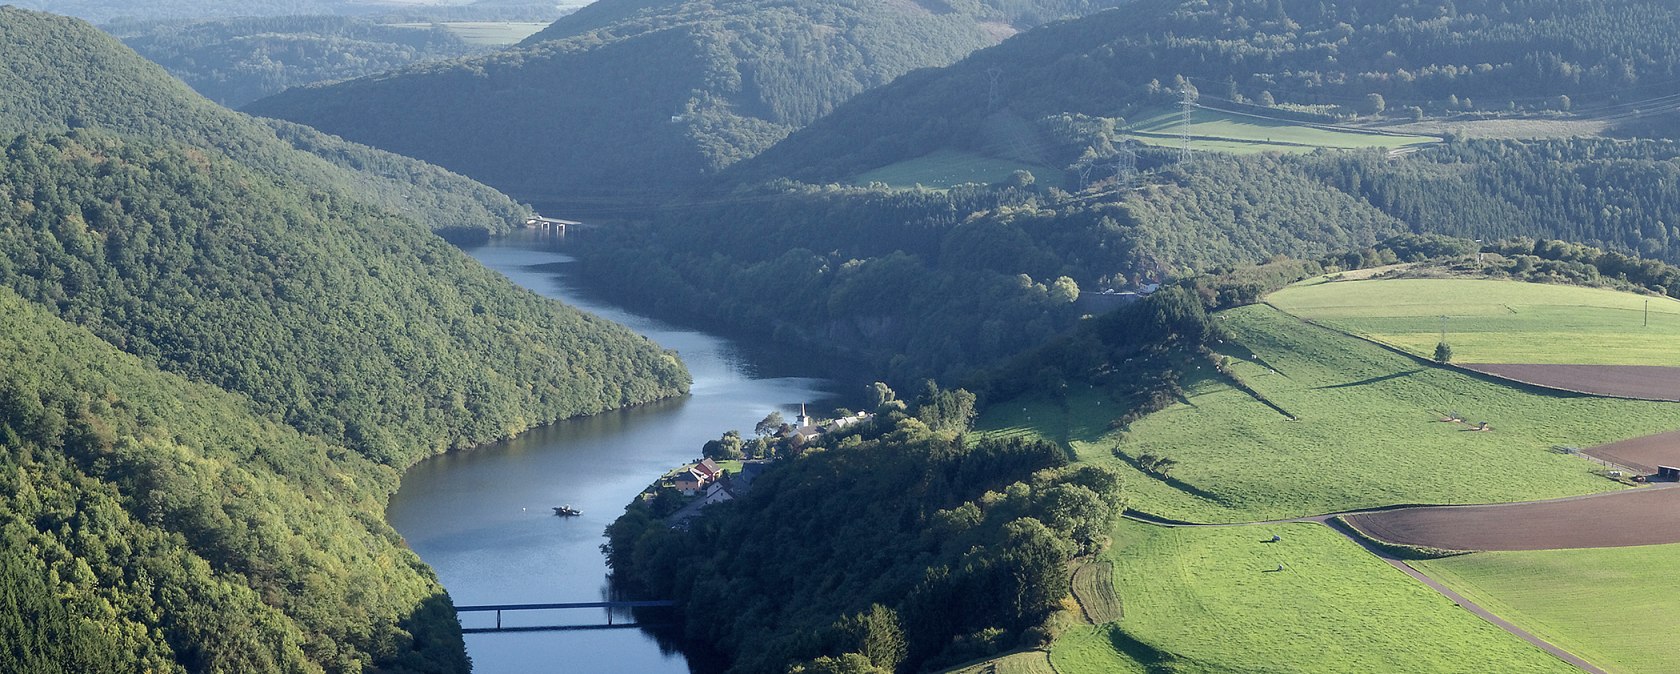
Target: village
(729, 465)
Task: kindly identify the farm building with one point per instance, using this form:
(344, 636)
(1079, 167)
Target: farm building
(688, 482)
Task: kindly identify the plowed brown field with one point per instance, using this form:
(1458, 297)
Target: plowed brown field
(1644, 382)
(1642, 454)
(1645, 516)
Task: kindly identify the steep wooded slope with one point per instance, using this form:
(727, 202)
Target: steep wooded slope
(631, 97)
(335, 317)
(58, 73)
(148, 523)
(212, 499)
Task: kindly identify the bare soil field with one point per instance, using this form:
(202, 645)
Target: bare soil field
(1642, 382)
(1646, 516)
(1642, 454)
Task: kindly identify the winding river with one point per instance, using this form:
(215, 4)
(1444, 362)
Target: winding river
(484, 520)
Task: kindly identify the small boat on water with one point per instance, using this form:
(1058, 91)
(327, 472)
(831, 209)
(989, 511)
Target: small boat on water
(567, 511)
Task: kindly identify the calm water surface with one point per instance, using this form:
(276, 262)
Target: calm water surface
(484, 520)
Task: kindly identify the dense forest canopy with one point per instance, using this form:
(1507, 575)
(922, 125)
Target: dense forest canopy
(148, 523)
(60, 73)
(906, 544)
(1465, 57)
(627, 97)
(926, 283)
(236, 61)
(330, 315)
(217, 352)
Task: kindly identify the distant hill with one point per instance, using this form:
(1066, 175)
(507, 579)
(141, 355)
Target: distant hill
(236, 61)
(176, 10)
(630, 97)
(1319, 62)
(61, 73)
(938, 282)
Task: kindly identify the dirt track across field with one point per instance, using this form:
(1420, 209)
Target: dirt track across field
(1641, 454)
(1644, 382)
(1645, 516)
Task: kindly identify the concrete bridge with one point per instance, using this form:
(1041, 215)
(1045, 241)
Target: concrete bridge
(609, 605)
(555, 225)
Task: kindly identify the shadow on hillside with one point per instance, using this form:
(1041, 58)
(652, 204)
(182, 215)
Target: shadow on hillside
(1238, 351)
(1373, 380)
(433, 642)
(1171, 481)
(1154, 660)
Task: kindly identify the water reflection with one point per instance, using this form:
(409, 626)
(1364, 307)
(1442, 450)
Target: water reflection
(484, 520)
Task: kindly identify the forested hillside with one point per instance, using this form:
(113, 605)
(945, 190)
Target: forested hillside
(148, 523)
(629, 97)
(236, 61)
(923, 283)
(212, 499)
(60, 73)
(1320, 60)
(940, 283)
(1621, 195)
(908, 544)
(332, 316)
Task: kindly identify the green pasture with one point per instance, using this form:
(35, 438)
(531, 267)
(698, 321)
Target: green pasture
(1218, 131)
(1615, 607)
(487, 33)
(1210, 600)
(943, 169)
(1366, 431)
(1082, 416)
(1491, 321)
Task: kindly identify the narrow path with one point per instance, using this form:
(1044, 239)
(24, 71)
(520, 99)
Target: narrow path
(1408, 569)
(1459, 599)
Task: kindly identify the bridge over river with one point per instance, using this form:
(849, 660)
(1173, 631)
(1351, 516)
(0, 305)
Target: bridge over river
(608, 605)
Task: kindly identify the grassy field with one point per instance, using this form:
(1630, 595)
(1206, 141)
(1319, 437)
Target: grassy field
(1615, 607)
(1497, 321)
(1209, 600)
(1367, 432)
(1093, 586)
(487, 33)
(1218, 131)
(1030, 662)
(947, 168)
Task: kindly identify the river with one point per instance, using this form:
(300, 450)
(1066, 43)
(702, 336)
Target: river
(484, 520)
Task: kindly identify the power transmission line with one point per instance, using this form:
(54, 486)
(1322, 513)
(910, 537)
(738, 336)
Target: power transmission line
(1125, 164)
(993, 96)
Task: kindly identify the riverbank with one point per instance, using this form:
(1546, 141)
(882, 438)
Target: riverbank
(483, 518)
